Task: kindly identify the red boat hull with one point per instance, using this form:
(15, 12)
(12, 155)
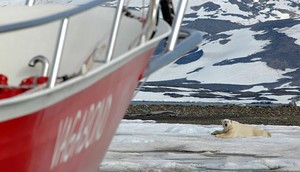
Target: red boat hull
(74, 133)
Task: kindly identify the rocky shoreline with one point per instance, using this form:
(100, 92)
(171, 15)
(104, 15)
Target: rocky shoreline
(206, 115)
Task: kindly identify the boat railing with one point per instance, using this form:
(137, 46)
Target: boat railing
(30, 3)
(177, 24)
(40, 59)
(50, 18)
(114, 33)
(63, 31)
(64, 16)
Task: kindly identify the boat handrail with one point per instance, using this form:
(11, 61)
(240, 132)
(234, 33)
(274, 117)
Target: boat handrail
(50, 18)
(114, 33)
(64, 17)
(58, 52)
(149, 26)
(176, 25)
(30, 3)
(148, 29)
(42, 59)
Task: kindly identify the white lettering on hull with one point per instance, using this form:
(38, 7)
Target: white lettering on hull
(78, 132)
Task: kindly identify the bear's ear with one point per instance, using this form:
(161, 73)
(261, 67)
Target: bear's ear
(222, 120)
(230, 121)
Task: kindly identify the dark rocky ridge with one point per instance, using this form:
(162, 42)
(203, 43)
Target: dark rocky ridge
(206, 115)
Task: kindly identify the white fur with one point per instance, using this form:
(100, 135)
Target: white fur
(235, 129)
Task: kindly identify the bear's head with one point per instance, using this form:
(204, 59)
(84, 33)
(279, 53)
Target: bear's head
(227, 124)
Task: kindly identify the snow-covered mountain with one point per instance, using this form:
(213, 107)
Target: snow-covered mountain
(250, 54)
(244, 12)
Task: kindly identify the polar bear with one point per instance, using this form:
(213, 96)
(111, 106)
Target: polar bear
(236, 129)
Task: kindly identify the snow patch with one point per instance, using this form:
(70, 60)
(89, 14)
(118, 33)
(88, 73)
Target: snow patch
(292, 32)
(187, 147)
